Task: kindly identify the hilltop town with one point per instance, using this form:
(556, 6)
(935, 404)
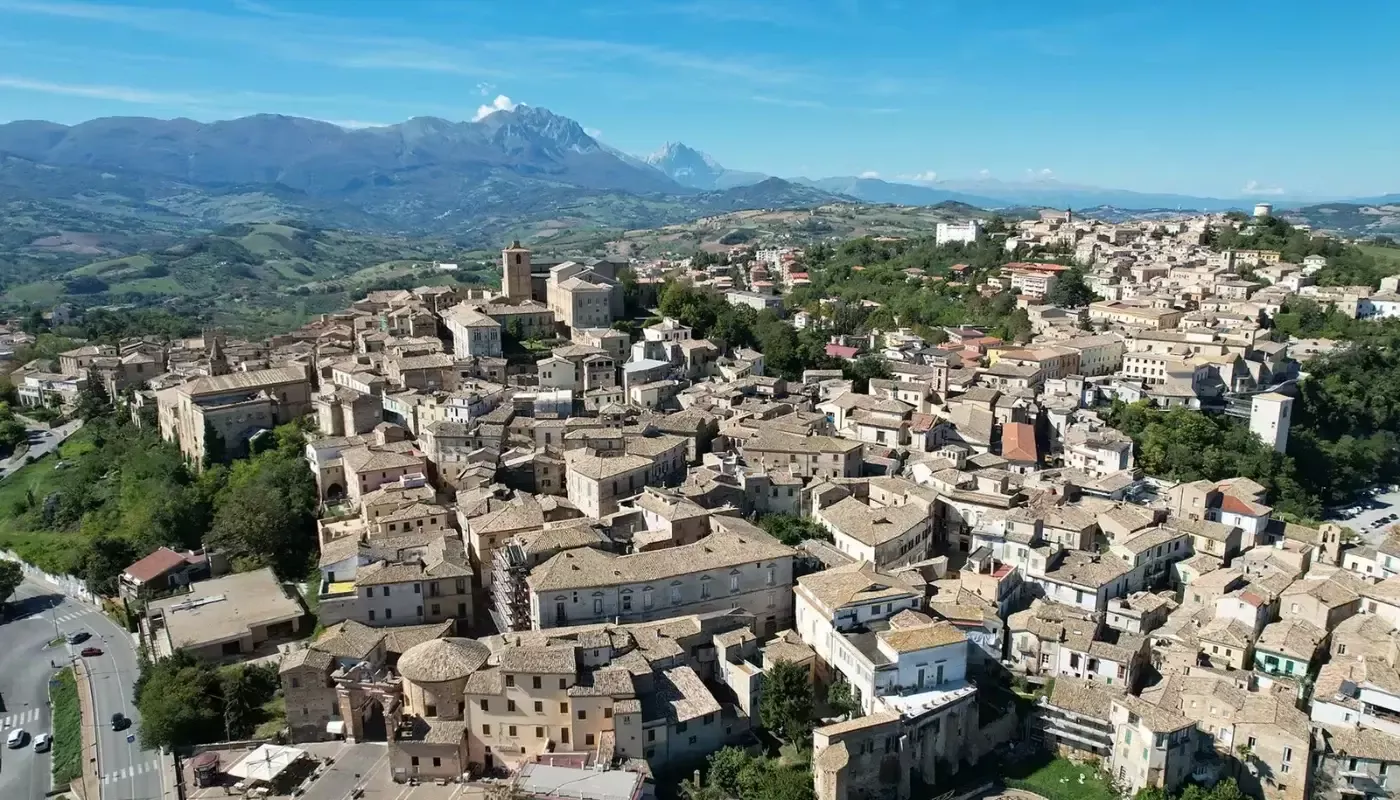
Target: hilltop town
(588, 521)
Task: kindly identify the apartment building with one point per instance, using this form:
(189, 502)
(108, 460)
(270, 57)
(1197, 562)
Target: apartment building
(737, 566)
(885, 535)
(804, 456)
(1118, 312)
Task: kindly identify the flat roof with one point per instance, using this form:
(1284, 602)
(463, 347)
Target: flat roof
(545, 780)
(225, 609)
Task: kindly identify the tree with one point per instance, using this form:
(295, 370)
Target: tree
(841, 699)
(236, 712)
(179, 701)
(1070, 290)
(791, 530)
(106, 558)
(786, 705)
(1151, 793)
(265, 516)
(93, 401)
(11, 576)
(725, 766)
(864, 369)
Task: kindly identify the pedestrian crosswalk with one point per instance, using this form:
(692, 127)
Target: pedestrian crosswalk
(126, 773)
(20, 719)
(77, 612)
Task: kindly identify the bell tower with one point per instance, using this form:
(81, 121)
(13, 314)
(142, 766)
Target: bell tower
(515, 272)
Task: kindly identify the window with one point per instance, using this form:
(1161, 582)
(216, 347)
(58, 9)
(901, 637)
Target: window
(388, 612)
(582, 714)
(386, 591)
(733, 583)
(675, 595)
(772, 576)
(436, 609)
(704, 589)
(681, 726)
(564, 735)
(1287, 754)
(511, 730)
(369, 591)
(437, 762)
(539, 732)
(485, 730)
(510, 680)
(563, 707)
(371, 615)
(607, 713)
(588, 739)
(417, 588)
(296, 683)
(651, 735)
(709, 718)
(420, 610)
(597, 605)
(414, 761)
(563, 684)
(539, 707)
(535, 681)
(510, 705)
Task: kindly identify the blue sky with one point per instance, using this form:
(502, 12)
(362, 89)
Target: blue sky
(1192, 96)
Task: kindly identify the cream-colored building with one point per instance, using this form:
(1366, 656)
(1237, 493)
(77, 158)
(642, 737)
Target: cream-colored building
(230, 408)
(737, 566)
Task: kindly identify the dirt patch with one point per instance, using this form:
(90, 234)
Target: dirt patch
(72, 242)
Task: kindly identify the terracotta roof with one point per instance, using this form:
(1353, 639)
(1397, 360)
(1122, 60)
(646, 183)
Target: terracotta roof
(1018, 442)
(155, 565)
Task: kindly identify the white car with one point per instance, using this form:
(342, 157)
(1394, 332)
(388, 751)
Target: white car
(16, 739)
(43, 743)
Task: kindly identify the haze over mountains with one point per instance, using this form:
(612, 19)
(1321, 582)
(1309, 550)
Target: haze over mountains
(470, 179)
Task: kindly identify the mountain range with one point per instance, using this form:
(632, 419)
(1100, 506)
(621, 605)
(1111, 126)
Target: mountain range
(518, 172)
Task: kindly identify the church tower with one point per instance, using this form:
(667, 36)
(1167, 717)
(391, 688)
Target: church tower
(218, 360)
(515, 272)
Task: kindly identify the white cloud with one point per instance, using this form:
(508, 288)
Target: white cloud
(593, 132)
(984, 173)
(928, 175)
(124, 94)
(1255, 188)
(354, 124)
(501, 103)
(485, 89)
(870, 173)
(1040, 173)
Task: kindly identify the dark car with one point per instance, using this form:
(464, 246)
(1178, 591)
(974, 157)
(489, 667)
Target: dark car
(78, 637)
(89, 652)
(120, 722)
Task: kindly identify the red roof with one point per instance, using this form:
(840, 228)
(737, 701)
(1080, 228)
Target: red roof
(922, 423)
(155, 565)
(1235, 505)
(842, 351)
(795, 275)
(1018, 442)
(1038, 267)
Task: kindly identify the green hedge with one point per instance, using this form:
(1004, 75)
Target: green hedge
(67, 729)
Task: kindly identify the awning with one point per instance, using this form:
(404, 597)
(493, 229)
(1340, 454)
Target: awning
(335, 726)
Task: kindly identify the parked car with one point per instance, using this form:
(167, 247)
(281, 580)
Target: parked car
(16, 739)
(90, 652)
(78, 637)
(43, 743)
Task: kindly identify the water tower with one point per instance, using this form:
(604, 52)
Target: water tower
(1262, 210)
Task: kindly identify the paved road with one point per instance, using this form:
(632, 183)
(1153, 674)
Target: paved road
(24, 676)
(41, 442)
(127, 772)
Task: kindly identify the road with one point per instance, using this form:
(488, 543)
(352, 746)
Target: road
(41, 442)
(127, 772)
(24, 677)
(1369, 517)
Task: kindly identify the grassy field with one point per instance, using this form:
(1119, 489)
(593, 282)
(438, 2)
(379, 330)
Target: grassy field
(1059, 779)
(1391, 254)
(45, 548)
(67, 729)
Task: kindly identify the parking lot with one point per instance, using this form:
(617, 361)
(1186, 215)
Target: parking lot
(358, 766)
(1372, 518)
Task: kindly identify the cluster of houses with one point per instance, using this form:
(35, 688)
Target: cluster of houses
(543, 540)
